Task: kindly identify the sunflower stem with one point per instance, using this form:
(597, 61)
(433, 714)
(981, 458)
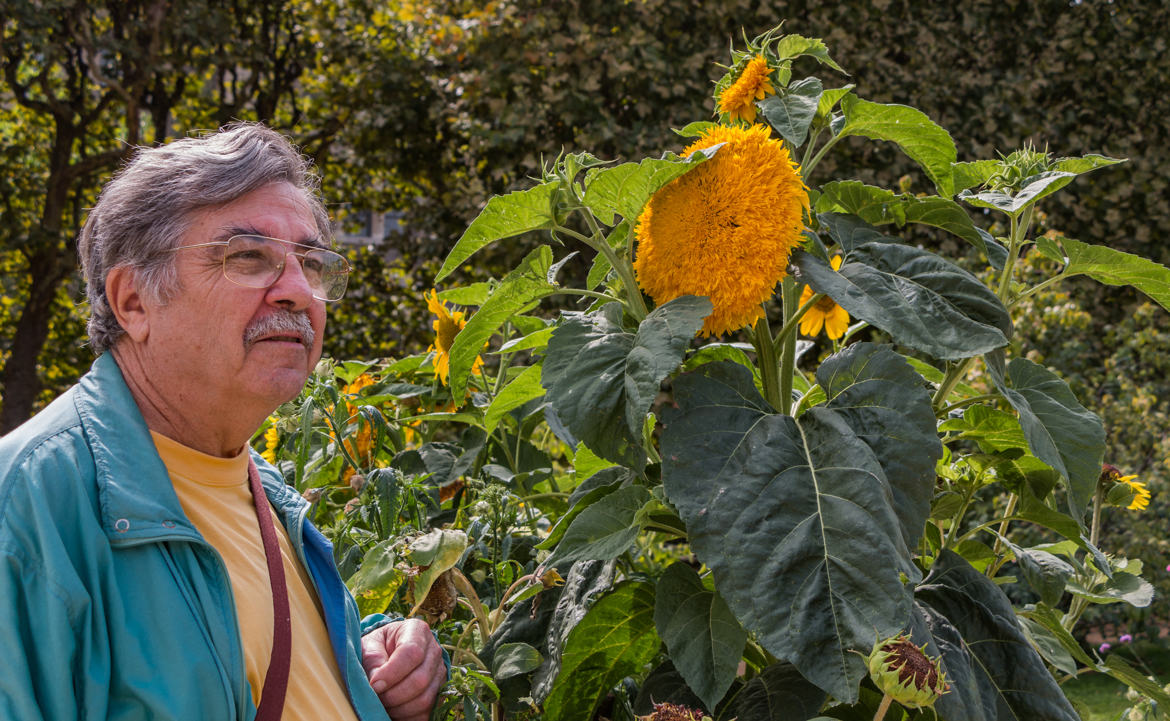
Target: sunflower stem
(955, 374)
(790, 295)
(883, 707)
(942, 412)
(806, 169)
(997, 562)
(790, 325)
(766, 356)
(625, 271)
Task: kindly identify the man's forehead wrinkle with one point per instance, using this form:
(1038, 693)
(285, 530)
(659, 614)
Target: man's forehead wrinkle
(230, 231)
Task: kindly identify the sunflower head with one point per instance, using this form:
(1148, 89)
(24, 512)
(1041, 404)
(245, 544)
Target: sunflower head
(751, 83)
(904, 672)
(447, 325)
(1123, 491)
(724, 229)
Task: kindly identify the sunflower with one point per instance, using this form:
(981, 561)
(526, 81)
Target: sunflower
(271, 439)
(1124, 489)
(447, 325)
(725, 229)
(738, 100)
(826, 312)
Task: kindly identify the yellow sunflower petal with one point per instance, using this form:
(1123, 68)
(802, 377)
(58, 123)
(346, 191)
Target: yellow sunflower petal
(724, 230)
(836, 322)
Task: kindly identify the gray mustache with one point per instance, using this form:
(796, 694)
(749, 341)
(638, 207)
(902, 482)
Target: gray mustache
(282, 322)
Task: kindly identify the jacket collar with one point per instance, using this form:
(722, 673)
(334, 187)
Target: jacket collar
(136, 498)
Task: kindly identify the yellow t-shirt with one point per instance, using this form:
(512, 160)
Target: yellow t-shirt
(215, 495)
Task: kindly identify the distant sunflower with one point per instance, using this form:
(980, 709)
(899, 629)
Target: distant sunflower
(271, 439)
(725, 229)
(738, 100)
(447, 325)
(1135, 492)
(826, 312)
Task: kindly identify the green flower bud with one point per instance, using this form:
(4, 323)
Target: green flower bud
(905, 673)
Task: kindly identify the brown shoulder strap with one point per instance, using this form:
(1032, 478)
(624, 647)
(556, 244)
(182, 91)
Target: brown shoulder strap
(276, 680)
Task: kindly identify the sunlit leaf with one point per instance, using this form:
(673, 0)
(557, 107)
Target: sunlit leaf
(614, 640)
(502, 217)
(917, 135)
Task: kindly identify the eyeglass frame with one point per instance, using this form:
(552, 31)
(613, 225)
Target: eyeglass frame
(280, 269)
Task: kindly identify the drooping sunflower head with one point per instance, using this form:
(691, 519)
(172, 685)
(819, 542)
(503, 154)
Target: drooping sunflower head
(904, 672)
(725, 229)
(1122, 490)
(738, 100)
(447, 325)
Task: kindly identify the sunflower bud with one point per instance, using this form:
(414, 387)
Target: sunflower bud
(905, 673)
(674, 712)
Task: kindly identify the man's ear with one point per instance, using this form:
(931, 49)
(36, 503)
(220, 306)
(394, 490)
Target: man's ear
(127, 303)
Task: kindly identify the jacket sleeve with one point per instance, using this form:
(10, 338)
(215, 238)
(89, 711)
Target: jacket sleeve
(39, 641)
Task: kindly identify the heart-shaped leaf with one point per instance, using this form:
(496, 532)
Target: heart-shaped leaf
(918, 136)
(797, 517)
(624, 189)
(792, 111)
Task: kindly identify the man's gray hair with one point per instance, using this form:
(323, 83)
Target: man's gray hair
(144, 211)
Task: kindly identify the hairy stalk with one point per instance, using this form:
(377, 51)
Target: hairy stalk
(885, 706)
(464, 586)
(790, 325)
(942, 412)
(954, 375)
(1078, 605)
(621, 265)
(788, 292)
(997, 563)
(761, 334)
(807, 168)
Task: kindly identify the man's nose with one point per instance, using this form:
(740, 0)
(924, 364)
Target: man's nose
(292, 287)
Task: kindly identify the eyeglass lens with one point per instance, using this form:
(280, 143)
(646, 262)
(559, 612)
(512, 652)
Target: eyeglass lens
(256, 262)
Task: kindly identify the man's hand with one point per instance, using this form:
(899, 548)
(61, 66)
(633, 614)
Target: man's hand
(405, 666)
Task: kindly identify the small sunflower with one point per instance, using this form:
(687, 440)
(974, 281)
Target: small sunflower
(447, 325)
(725, 229)
(738, 100)
(1124, 490)
(271, 439)
(826, 312)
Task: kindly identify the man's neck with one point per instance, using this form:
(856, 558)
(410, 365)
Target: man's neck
(217, 428)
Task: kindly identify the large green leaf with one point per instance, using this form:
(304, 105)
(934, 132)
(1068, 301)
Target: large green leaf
(502, 217)
(792, 111)
(779, 693)
(524, 285)
(882, 399)
(601, 379)
(624, 189)
(1011, 677)
(703, 637)
(879, 206)
(1114, 267)
(796, 517)
(920, 299)
(925, 142)
(614, 640)
(603, 530)
(1060, 431)
(1038, 186)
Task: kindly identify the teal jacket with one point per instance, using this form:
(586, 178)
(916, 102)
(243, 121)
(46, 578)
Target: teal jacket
(112, 606)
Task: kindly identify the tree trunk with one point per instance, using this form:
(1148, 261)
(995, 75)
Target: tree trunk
(20, 382)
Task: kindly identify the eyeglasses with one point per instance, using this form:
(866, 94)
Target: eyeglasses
(255, 261)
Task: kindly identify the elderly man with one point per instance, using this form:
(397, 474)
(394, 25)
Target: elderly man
(151, 567)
